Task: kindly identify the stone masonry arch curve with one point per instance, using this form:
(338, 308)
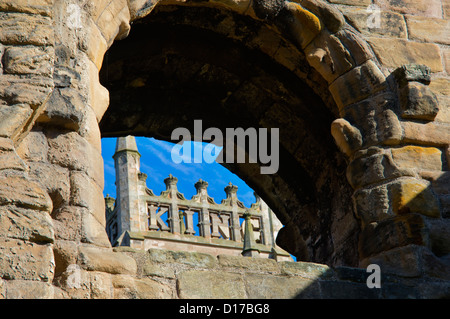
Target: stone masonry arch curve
(53, 174)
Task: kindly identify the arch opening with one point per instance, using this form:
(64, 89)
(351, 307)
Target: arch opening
(181, 64)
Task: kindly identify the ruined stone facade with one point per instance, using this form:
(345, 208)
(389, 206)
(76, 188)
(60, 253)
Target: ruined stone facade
(364, 123)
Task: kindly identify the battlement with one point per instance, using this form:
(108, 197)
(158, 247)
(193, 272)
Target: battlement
(140, 219)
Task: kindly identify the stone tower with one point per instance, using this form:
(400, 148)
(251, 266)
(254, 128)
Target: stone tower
(127, 165)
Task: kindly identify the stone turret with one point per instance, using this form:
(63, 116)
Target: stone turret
(127, 164)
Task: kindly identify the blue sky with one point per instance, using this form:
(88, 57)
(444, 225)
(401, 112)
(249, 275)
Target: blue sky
(157, 163)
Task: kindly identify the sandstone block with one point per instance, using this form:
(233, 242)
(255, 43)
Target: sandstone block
(214, 285)
(306, 269)
(392, 24)
(358, 48)
(329, 56)
(114, 21)
(42, 7)
(24, 193)
(424, 158)
(33, 147)
(418, 102)
(439, 236)
(86, 193)
(392, 233)
(357, 84)
(67, 222)
(74, 152)
(105, 260)
(147, 288)
(347, 137)
(412, 73)
(375, 119)
(25, 260)
(375, 166)
(414, 196)
(29, 60)
(432, 133)
(387, 51)
(249, 264)
(25, 224)
(22, 29)
(64, 109)
(183, 257)
(28, 289)
(428, 29)
(32, 90)
(329, 15)
(363, 3)
(9, 159)
(13, 118)
(427, 8)
(305, 25)
(277, 287)
(93, 231)
(54, 178)
(101, 285)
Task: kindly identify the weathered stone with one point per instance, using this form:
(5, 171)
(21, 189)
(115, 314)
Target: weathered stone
(391, 24)
(439, 236)
(159, 270)
(214, 285)
(21, 29)
(307, 270)
(428, 29)
(93, 231)
(347, 290)
(127, 287)
(28, 289)
(67, 222)
(29, 60)
(391, 233)
(418, 102)
(412, 72)
(54, 178)
(376, 120)
(25, 224)
(329, 15)
(64, 109)
(25, 260)
(42, 7)
(101, 285)
(114, 21)
(414, 196)
(426, 134)
(34, 147)
(74, 152)
(32, 90)
(329, 56)
(250, 264)
(423, 158)
(183, 257)
(104, 260)
(357, 84)
(24, 193)
(278, 287)
(358, 48)
(347, 137)
(9, 159)
(363, 3)
(86, 193)
(13, 118)
(374, 166)
(387, 51)
(431, 8)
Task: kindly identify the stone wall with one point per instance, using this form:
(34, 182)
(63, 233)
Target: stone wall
(393, 128)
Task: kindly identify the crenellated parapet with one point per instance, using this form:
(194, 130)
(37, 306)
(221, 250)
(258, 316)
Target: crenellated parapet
(141, 219)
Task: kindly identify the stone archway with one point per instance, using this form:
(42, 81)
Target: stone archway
(51, 140)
